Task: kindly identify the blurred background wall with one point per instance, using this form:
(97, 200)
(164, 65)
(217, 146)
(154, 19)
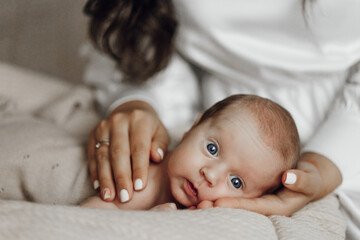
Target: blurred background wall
(44, 35)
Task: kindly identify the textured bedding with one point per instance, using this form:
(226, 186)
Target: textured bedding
(319, 220)
(44, 124)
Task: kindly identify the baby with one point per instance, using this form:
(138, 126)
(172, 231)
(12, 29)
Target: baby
(238, 148)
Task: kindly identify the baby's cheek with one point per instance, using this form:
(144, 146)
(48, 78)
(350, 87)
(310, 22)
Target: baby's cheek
(179, 195)
(172, 167)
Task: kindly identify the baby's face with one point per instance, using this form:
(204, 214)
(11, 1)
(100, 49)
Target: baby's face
(222, 157)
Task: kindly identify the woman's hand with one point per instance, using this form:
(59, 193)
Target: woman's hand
(120, 149)
(314, 178)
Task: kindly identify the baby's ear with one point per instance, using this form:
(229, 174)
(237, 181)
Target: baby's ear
(194, 124)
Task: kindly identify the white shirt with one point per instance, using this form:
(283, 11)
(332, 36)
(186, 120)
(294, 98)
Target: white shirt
(309, 62)
(306, 61)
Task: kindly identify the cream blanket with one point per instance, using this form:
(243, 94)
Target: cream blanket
(44, 124)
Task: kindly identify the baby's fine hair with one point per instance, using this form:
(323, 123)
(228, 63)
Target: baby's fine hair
(275, 124)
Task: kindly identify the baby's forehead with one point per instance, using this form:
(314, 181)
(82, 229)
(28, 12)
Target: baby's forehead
(263, 179)
(234, 114)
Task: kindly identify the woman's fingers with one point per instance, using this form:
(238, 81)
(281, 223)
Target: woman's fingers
(258, 205)
(159, 144)
(142, 129)
(307, 183)
(120, 149)
(104, 172)
(283, 203)
(300, 188)
(92, 161)
(146, 131)
(120, 157)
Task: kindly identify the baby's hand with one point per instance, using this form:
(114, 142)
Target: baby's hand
(203, 205)
(165, 206)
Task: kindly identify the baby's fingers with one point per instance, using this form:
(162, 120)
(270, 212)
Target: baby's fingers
(205, 204)
(165, 206)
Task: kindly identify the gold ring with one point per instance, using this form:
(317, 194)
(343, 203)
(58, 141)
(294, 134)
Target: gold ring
(101, 142)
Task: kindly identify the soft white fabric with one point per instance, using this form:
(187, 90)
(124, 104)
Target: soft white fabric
(308, 61)
(19, 220)
(301, 60)
(18, 95)
(42, 159)
(350, 207)
(44, 126)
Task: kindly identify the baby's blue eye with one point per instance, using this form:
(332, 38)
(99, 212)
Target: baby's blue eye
(236, 182)
(212, 148)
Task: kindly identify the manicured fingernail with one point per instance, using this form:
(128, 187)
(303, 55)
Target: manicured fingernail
(124, 195)
(96, 184)
(161, 153)
(138, 185)
(290, 178)
(106, 193)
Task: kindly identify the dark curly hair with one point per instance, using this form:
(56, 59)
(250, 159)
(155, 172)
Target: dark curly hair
(138, 35)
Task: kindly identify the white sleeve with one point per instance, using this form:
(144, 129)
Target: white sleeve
(338, 138)
(174, 92)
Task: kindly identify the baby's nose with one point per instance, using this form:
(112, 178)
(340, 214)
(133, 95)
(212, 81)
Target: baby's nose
(209, 176)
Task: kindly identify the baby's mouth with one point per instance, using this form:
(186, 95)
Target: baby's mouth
(190, 189)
